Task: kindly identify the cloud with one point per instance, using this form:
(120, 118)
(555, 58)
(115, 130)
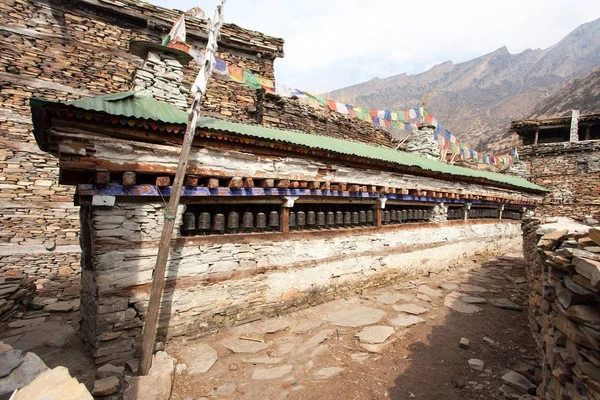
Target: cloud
(335, 43)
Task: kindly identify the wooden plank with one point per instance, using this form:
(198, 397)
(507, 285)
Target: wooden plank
(284, 223)
(129, 178)
(378, 217)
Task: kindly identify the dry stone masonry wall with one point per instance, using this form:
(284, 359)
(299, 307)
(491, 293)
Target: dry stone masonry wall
(564, 275)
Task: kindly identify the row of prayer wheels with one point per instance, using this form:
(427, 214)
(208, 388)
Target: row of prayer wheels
(405, 216)
(455, 213)
(330, 219)
(511, 215)
(478, 213)
(206, 223)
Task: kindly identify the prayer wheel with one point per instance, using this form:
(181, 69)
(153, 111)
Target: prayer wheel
(347, 218)
(261, 221)
(189, 222)
(292, 220)
(393, 216)
(247, 221)
(320, 219)
(219, 223)
(274, 220)
(355, 218)
(339, 218)
(362, 217)
(311, 219)
(204, 222)
(409, 215)
(300, 219)
(386, 217)
(420, 215)
(233, 222)
(330, 218)
(404, 216)
(370, 217)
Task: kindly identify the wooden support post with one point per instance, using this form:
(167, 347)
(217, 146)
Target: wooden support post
(378, 217)
(537, 136)
(284, 222)
(163, 181)
(190, 180)
(129, 178)
(587, 133)
(102, 177)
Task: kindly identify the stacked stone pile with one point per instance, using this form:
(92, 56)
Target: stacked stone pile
(16, 292)
(564, 277)
(423, 143)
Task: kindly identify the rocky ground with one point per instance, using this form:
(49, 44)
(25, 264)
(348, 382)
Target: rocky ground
(461, 334)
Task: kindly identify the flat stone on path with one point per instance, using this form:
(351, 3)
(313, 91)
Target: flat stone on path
(518, 381)
(306, 326)
(262, 360)
(505, 303)
(200, 357)
(329, 372)
(423, 297)
(404, 321)
(356, 316)
(106, 386)
(472, 288)
(63, 306)
(375, 334)
(473, 300)
(271, 373)
(388, 299)
(274, 326)
(10, 360)
(476, 364)
(429, 291)
(411, 308)
(406, 296)
(24, 374)
(54, 384)
(314, 340)
(243, 346)
(450, 286)
(453, 301)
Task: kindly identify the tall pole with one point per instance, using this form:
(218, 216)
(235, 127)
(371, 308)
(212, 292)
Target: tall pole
(158, 279)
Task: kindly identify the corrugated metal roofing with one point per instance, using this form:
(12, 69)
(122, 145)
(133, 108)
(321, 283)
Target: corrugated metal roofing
(134, 105)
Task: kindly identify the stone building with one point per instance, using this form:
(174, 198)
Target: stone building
(561, 154)
(68, 49)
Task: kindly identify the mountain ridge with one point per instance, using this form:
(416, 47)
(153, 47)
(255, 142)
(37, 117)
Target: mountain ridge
(477, 99)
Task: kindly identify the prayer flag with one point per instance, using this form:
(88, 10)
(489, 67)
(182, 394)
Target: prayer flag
(332, 105)
(236, 73)
(220, 67)
(341, 108)
(394, 116)
(251, 79)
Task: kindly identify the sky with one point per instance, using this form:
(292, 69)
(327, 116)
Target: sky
(330, 44)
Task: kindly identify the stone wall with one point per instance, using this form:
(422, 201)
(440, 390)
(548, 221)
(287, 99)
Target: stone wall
(571, 171)
(214, 282)
(563, 267)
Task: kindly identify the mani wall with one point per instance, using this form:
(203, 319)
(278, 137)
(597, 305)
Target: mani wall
(67, 49)
(571, 171)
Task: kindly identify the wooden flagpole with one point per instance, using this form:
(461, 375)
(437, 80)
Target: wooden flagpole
(158, 279)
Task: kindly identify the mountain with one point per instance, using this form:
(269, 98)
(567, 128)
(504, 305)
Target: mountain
(477, 99)
(581, 94)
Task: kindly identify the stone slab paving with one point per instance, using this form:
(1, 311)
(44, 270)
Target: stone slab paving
(404, 321)
(356, 316)
(199, 357)
(411, 308)
(375, 334)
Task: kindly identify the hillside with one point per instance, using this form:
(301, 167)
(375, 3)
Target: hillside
(477, 99)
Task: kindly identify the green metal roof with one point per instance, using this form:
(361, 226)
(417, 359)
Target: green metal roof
(136, 105)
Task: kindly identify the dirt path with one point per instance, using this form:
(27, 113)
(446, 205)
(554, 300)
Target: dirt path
(314, 357)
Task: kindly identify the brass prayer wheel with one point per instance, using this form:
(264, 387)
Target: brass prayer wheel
(247, 221)
(261, 221)
(330, 218)
(204, 221)
(370, 217)
(311, 218)
(219, 223)
(362, 217)
(233, 222)
(339, 218)
(347, 218)
(189, 222)
(274, 220)
(300, 219)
